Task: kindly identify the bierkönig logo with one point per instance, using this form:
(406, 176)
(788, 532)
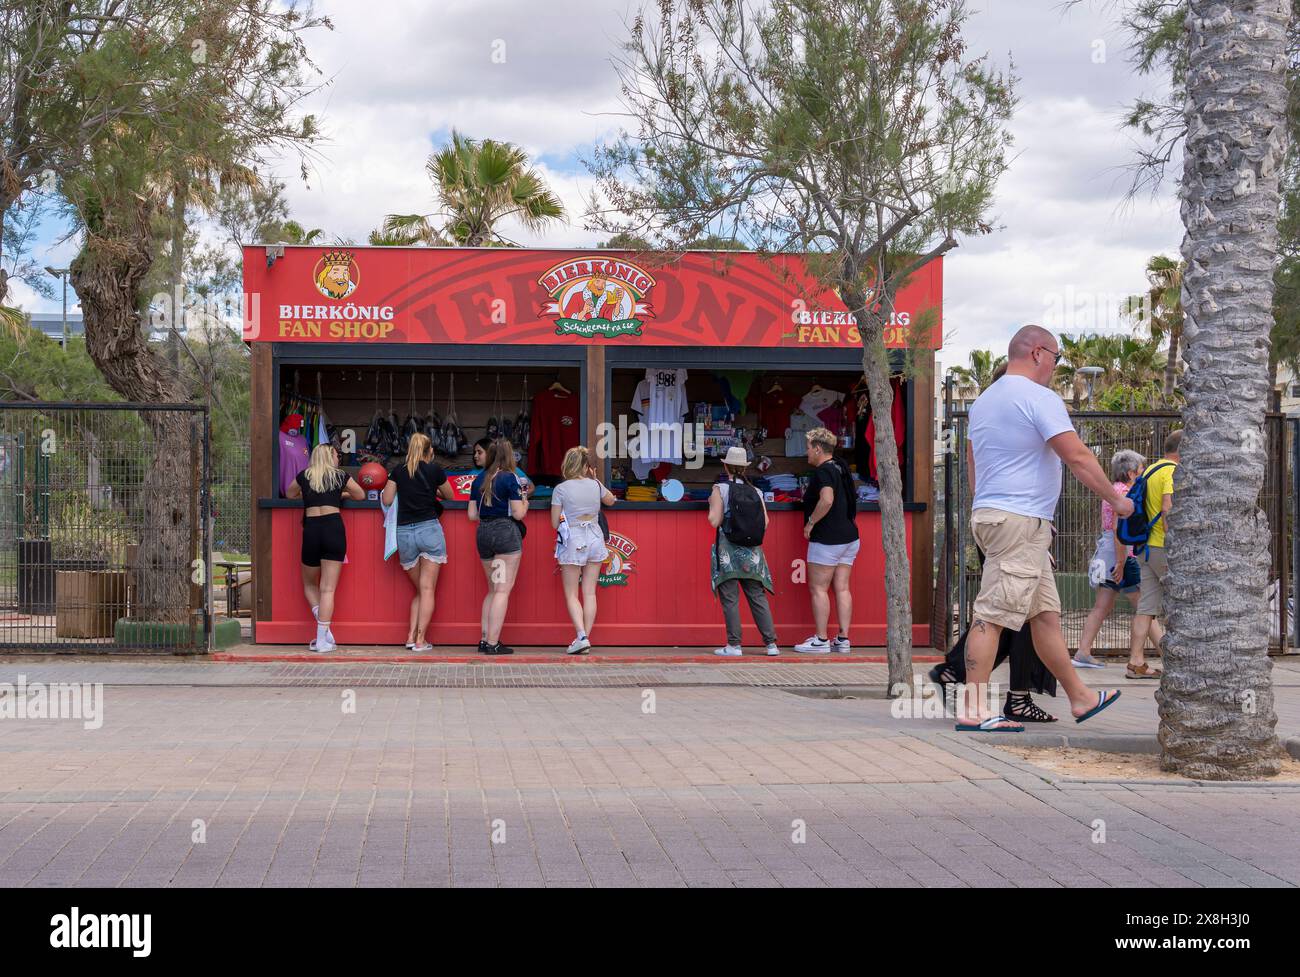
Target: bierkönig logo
(336, 274)
(597, 296)
(614, 571)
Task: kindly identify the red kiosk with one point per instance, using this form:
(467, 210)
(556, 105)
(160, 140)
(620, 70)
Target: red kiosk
(487, 334)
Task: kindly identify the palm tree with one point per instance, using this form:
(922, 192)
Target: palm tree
(1217, 718)
(1075, 354)
(974, 379)
(478, 183)
(1159, 312)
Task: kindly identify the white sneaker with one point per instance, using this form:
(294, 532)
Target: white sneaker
(421, 649)
(730, 651)
(323, 649)
(841, 644)
(813, 646)
(578, 645)
(773, 651)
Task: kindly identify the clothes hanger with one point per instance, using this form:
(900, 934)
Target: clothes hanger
(775, 388)
(559, 387)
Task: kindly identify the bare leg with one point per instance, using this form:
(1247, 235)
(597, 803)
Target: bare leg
(413, 575)
(487, 599)
(1156, 634)
(1138, 639)
(572, 577)
(819, 582)
(843, 597)
(428, 584)
(981, 651)
(311, 585)
(1049, 642)
(590, 577)
(501, 580)
(329, 582)
(1101, 609)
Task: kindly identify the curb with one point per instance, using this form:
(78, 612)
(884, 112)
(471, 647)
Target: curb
(1113, 743)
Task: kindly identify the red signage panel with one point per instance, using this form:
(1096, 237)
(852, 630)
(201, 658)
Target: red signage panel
(541, 297)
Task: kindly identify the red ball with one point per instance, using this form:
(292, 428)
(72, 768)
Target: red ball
(372, 476)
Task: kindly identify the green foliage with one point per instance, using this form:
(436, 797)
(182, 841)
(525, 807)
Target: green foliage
(856, 132)
(478, 184)
(979, 374)
(80, 531)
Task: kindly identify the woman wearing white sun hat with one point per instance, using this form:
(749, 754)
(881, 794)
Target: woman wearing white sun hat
(737, 563)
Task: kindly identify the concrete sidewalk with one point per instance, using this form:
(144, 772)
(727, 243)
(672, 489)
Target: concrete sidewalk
(241, 775)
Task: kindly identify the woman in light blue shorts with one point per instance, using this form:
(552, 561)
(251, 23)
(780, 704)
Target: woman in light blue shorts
(419, 486)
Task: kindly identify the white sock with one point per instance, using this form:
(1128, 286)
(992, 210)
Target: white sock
(323, 636)
(315, 612)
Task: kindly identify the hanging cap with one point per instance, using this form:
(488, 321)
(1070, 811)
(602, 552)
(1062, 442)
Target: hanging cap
(292, 422)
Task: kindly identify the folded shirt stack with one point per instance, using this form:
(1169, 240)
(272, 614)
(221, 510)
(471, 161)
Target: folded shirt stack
(642, 493)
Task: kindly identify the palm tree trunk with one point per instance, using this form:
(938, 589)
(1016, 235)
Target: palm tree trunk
(1171, 364)
(1217, 718)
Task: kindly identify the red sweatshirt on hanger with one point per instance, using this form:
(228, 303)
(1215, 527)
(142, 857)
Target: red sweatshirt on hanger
(555, 428)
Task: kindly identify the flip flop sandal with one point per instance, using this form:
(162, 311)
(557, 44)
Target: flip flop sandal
(1105, 698)
(990, 725)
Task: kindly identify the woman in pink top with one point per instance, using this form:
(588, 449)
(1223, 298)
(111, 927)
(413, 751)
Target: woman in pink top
(1113, 569)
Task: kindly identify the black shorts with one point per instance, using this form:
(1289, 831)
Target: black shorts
(497, 537)
(323, 538)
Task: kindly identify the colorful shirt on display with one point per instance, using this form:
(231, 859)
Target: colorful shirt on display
(818, 399)
(293, 459)
(556, 428)
(660, 399)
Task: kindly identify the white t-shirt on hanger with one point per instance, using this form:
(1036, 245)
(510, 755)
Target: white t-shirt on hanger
(660, 399)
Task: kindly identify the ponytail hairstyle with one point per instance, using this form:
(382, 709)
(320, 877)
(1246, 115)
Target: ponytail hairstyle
(417, 451)
(737, 473)
(323, 472)
(500, 458)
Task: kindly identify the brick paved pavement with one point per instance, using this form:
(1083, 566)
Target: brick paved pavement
(582, 787)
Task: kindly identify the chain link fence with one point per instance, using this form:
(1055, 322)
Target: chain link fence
(1078, 525)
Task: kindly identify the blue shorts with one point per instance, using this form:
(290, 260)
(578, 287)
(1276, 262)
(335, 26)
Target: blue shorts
(421, 540)
(1132, 577)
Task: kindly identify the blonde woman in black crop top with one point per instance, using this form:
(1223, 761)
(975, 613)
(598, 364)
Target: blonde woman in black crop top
(322, 487)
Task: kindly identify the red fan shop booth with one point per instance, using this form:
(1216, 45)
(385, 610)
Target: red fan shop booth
(555, 348)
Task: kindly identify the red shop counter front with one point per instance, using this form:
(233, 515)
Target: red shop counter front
(498, 339)
(654, 591)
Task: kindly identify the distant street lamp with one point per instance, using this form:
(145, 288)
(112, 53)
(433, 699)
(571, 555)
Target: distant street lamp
(62, 273)
(1091, 373)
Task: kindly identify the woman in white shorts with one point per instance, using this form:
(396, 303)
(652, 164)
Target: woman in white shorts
(580, 542)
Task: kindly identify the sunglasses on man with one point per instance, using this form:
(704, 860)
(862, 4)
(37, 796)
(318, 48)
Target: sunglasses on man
(1056, 354)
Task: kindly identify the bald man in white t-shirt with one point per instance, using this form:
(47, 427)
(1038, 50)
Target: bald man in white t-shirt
(1019, 434)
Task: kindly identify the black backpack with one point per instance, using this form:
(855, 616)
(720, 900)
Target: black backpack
(743, 522)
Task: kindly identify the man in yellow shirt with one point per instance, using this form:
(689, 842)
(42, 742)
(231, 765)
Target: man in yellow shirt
(1155, 566)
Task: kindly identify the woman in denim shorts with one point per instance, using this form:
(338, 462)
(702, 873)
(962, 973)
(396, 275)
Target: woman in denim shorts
(498, 505)
(418, 485)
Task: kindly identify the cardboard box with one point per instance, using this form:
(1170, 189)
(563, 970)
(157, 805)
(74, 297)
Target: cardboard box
(87, 603)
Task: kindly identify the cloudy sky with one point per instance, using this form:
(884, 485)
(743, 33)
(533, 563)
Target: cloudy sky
(402, 73)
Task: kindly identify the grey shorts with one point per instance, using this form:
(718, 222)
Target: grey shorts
(498, 537)
(1155, 568)
(421, 540)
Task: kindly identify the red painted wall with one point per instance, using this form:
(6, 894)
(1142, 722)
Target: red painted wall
(666, 600)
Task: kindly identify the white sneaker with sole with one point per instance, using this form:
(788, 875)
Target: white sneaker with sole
(323, 649)
(841, 644)
(578, 645)
(730, 651)
(773, 651)
(813, 646)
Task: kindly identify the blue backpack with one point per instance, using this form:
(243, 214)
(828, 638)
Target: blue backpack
(1135, 530)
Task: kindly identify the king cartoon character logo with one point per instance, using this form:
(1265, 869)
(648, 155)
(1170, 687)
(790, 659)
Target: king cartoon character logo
(614, 571)
(597, 296)
(336, 274)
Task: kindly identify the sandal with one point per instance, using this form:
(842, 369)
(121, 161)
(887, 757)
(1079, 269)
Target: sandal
(1026, 710)
(1142, 671)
